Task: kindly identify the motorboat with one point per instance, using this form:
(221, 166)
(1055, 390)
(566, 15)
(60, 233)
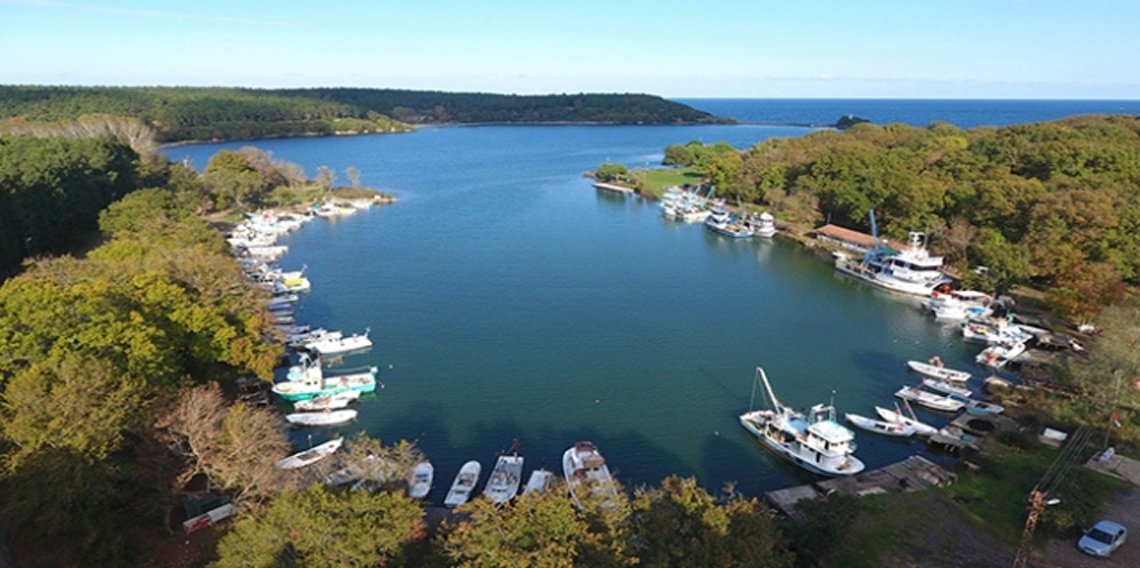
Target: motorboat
(539, 481)
(910, 271)
(883, 427)
(464, 484)
(330, 402)
(306, 380)
(983, 408)
(998, 355)
(419, 482)
(897, 415)
(322, 418)
(933, 401)
(957, 305)
(934, 369)
(991, 331)
(946, 387)
(505, 479)
(296, 340)
(763, 225)
(732, 228)
(371, 469)
(817, 442)
(336, 345)
(587, 475)
(311, 455)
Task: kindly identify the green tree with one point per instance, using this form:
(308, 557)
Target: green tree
(610, 172)
(539, 529)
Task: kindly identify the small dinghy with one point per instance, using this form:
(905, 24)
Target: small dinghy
(311, 455)
(539, 481)
(897, 429)
(464, 484)
(945, 387)
(935, 370)
(419, 483)
(330, 402)
(896, 415)
(323, 418)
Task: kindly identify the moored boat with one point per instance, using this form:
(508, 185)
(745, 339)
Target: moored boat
(419, 482)
(1000, 354)
(931, 400)
(817, 443)
(897, 415)
(311, 455)
(331, 402)
(307, 380)
(885, 428)
(505, 478)
(910, 271)
(539, 481)
(763, 225)
(334, 345)
(935, 370)
(587, 475)
(323, 418)
(946, 387)
(983, 408)
(464, 484)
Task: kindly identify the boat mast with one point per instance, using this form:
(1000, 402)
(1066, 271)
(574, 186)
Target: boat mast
(767, 387)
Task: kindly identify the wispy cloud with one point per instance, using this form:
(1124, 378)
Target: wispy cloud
(152, 13)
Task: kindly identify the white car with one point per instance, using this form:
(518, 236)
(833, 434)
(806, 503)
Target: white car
(1102, 539)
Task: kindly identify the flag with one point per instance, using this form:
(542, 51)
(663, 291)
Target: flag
(1114, 420)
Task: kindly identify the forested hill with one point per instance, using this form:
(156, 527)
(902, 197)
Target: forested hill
(211, 113)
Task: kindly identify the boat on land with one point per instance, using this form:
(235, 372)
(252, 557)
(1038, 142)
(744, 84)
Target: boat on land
(946, 387)
(311, 455)
(933, 401)
(464, 484)
(505, 478)
(331, 402)
(306, 380)
(322, 418)
(419, 482)
(539, 481)
(908, 418)
(910, 271)
(335, 345)
(935, 370)
(1000, 354)
(817, 442)
(587, 475)
(897, 429)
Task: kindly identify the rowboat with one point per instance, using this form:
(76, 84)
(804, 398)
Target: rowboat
(937, 371)
(897, 415)
(539, 481)
(880, 426)
(419, 483)
(330, 402)
(464, 484)
(945, 387)
(325, 418)
(311, 455)
(504, 482)
(930, 400)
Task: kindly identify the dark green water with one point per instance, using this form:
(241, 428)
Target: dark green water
(509, 299)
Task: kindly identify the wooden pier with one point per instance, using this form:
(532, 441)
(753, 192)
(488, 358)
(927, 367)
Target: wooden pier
(912, 474)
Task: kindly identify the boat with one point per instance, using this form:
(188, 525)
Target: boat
(539, 481)
(934, 369)
(958, 305)
(717, 213)
(933, 401)
(311, 455)
(817, 443)
(505, 478)
(307, 380)
(998, 355)
(297, 340)
(331, 402)
(419, 482)
(588, 475)
(983, 408)
(910, 271)
(763, 225)
(991, 331)
(732, 228)
(885, 428)
(370, 468)
(946, 387)
(464, 484)
(897, 415)
(334, 345)
(323, 418)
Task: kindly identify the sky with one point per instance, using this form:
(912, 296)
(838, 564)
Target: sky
(1022, 49)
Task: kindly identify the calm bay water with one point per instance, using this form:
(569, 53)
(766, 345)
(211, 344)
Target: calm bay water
(509, 299)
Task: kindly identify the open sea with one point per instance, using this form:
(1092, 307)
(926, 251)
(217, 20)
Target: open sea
(509, 299)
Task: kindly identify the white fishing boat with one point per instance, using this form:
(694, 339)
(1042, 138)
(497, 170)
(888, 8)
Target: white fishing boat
(539, 481)
(333, 345)
(296, 340)
(331, 402)
(588, 475)
(946, 387)
(817, 443)
(958, 305)
(909, 419)
(322, 418)
(885, 428)
(763, 225)
(935, 370)
(311, 455)
(464, 484)
(999, 354)
(307, 380)
(910, 271)
(930, 400)
(994, 330)
(419, 482)
(505, 478)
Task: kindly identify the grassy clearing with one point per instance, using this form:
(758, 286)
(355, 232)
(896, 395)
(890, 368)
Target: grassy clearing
(653, 182)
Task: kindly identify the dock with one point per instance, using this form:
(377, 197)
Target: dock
(612, 187)
(915, 473)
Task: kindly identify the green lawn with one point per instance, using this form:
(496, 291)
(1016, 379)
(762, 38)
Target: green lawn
(655, 181)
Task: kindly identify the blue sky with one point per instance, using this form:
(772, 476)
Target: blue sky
(716, 48)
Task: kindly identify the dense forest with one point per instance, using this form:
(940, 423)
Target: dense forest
(1055, 204)
(198, 113)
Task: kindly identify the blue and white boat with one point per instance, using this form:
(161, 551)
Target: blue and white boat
(817, 442)
(306, 380)
(732, 228)
(910, 271)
